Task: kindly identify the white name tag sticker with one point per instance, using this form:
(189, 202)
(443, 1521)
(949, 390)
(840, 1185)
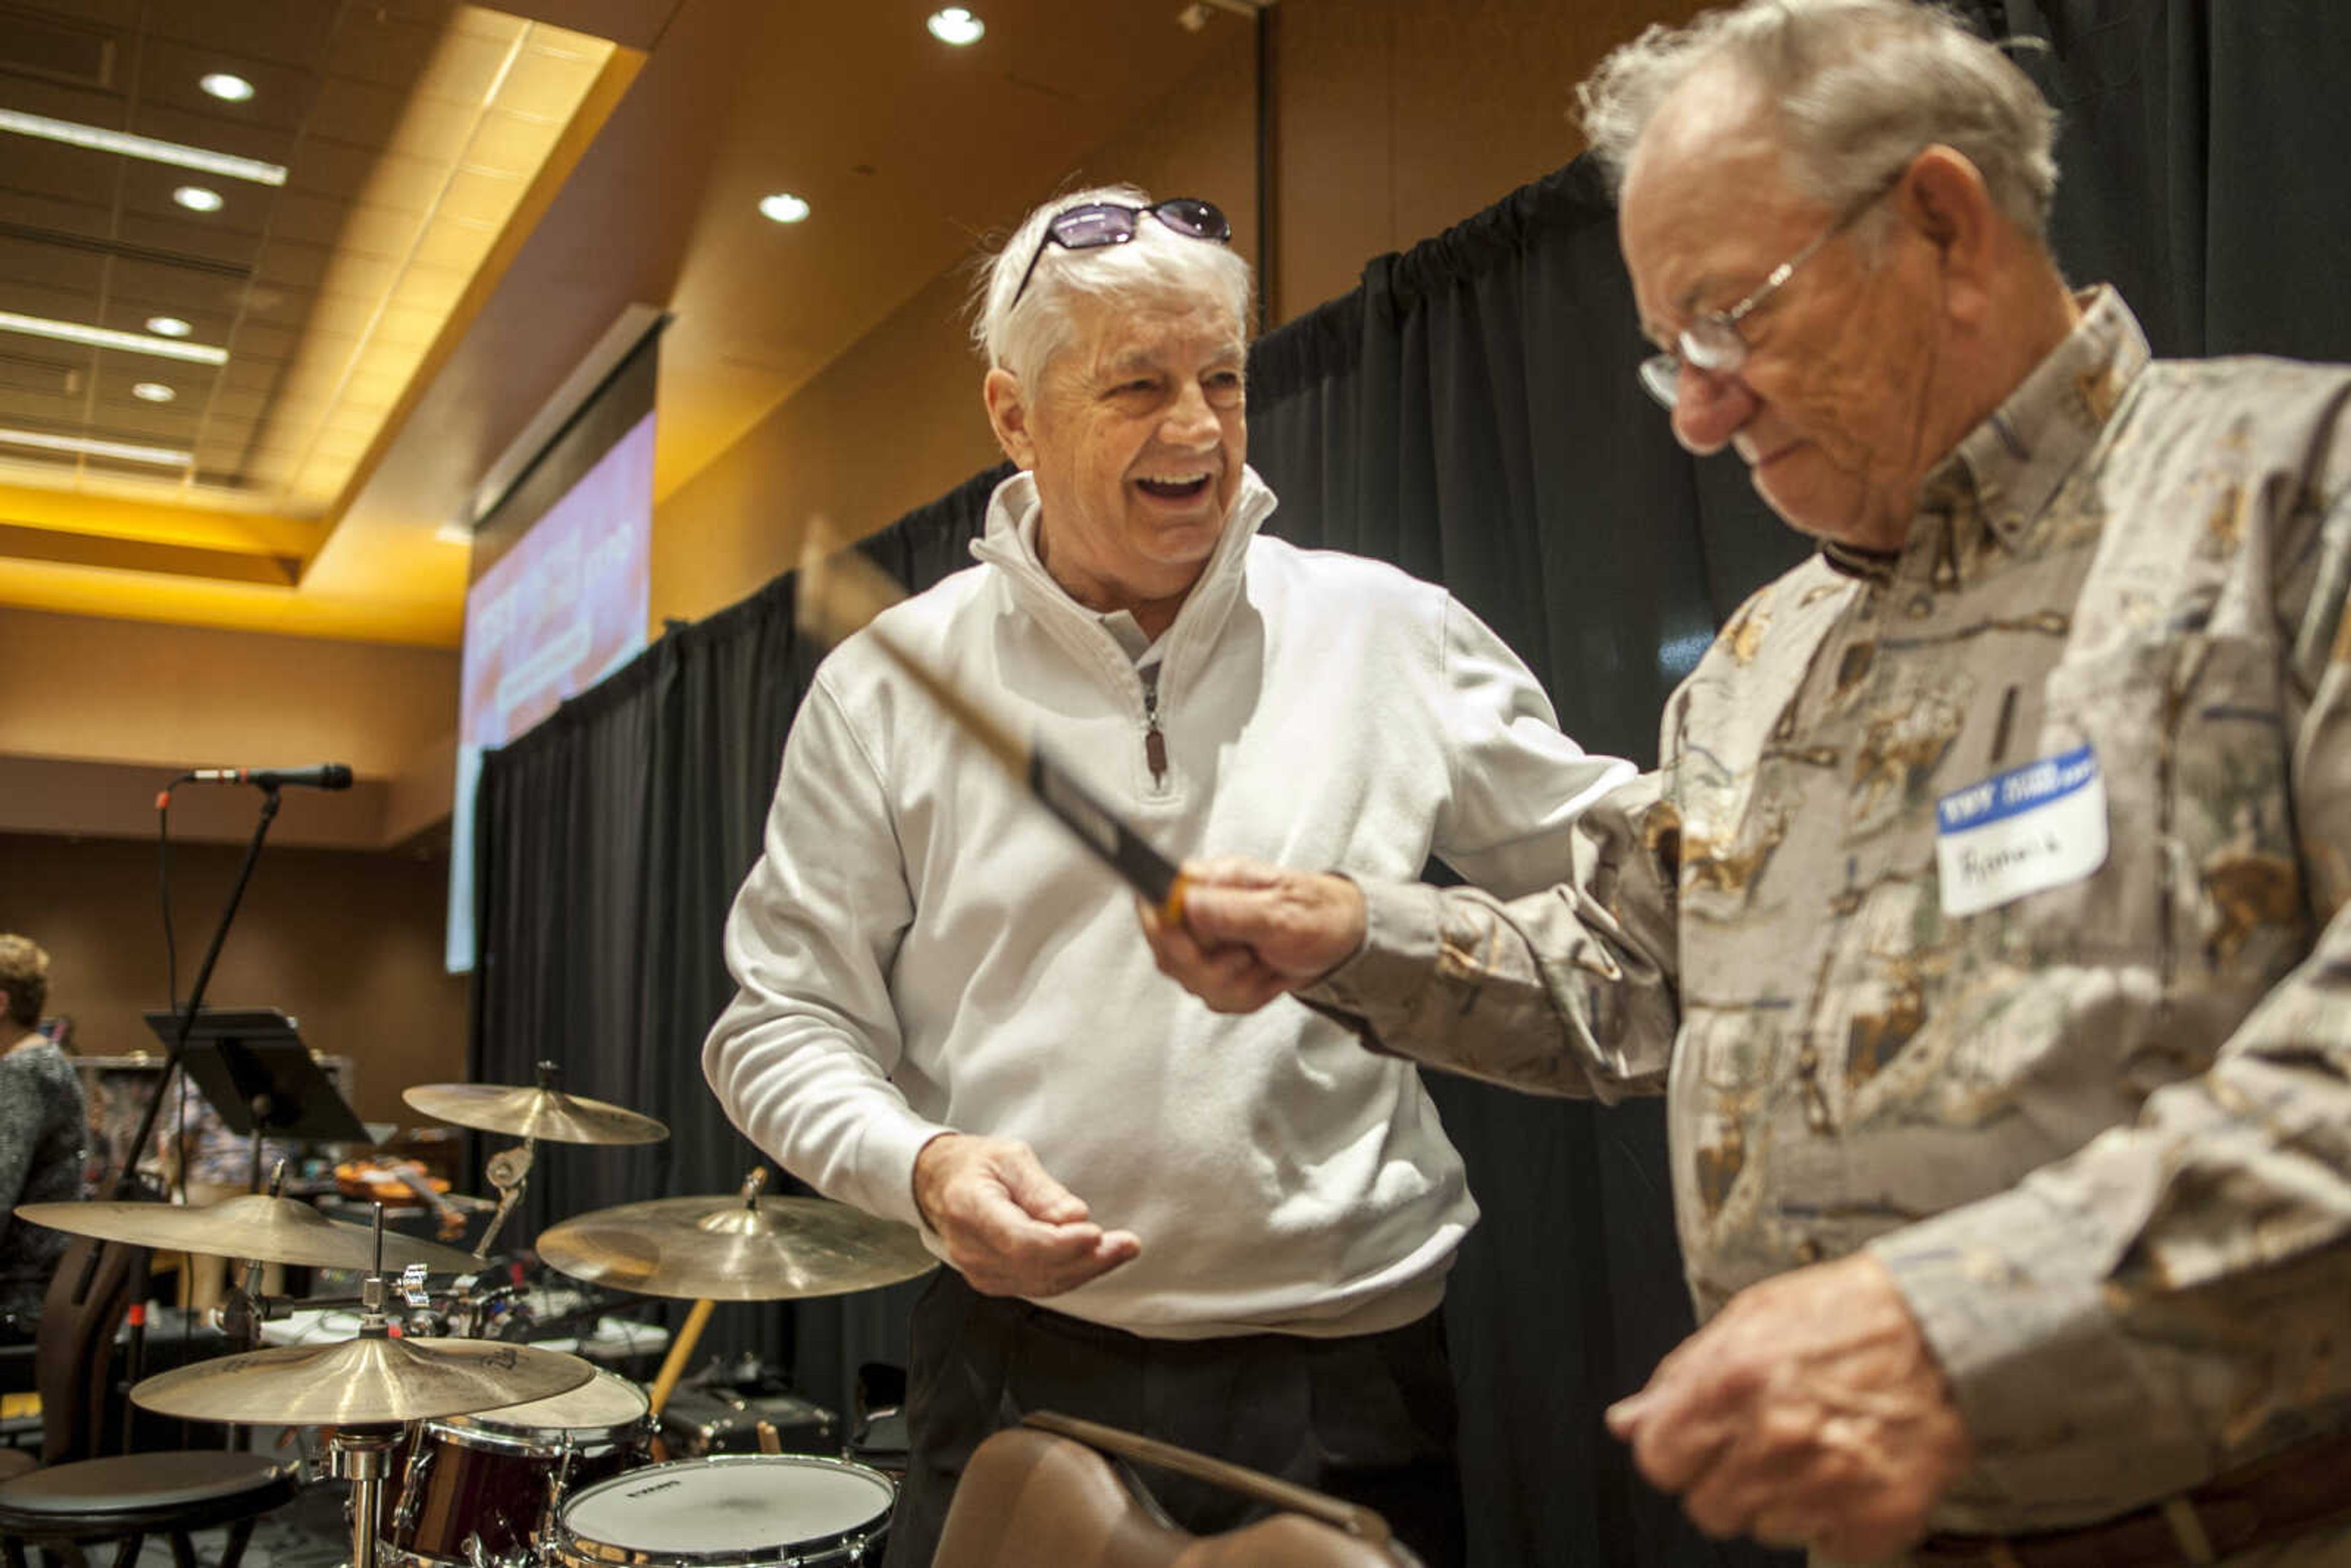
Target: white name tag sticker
(2031, 828)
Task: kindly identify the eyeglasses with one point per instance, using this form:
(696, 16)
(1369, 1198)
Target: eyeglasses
(1712, 342)
(1093, 225)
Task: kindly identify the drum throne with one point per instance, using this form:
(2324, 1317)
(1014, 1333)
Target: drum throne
(72, 1499)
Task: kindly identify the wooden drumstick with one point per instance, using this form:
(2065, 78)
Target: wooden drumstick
(681, 1349)
(840, 593)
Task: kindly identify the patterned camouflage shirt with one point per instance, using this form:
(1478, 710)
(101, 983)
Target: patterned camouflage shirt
(1987, 911)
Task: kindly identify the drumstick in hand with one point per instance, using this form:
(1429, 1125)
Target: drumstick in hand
(840, 592)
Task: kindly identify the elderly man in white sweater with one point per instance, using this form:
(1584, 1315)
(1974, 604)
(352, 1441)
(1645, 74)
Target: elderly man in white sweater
(1242, 1225)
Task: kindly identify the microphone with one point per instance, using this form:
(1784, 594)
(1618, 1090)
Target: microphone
(324, 776)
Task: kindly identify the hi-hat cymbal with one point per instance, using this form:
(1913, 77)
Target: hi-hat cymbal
(273, 1229)
(534, 1112)
(362, 1380)
(735, 1249)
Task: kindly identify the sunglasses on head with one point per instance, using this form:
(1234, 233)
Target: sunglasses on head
(1093, 225)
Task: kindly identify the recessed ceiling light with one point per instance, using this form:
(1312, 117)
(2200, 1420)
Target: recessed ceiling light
(955, 26)
(226, 86)
(153, 392)
(163, 457)
(198, 198)
(783, 207)
(173, 152)
(167, 327)
(108, 337)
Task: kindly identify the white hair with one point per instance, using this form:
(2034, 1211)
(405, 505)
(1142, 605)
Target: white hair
(1158, 262)
(1856, 89)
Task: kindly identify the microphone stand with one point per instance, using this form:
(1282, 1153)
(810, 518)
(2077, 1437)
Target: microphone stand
(269, 803)
(126, 1180)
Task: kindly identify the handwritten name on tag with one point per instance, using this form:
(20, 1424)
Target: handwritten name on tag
(2031, 828)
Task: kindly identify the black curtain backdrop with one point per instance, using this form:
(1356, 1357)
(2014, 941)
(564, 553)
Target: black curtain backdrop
(1469, 412)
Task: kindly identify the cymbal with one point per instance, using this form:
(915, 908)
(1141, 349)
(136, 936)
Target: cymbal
(735, 1248)
(534, 1112)
(273, 1229)
(361, 1380)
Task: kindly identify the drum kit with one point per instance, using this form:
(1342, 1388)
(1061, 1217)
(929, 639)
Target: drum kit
(482, 1453)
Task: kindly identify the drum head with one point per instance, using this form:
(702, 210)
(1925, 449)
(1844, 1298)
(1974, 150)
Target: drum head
(743, 1508)
(606, 1403)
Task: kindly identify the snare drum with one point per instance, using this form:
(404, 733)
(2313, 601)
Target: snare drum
(741, 1511)
(489, 1482)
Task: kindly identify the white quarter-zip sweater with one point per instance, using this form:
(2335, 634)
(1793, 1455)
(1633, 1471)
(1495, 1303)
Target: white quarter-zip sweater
(923, 948)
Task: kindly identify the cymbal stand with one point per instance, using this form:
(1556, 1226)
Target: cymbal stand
(509, 1172)
(362, 1454)
(681, 1349)
(244, 1307)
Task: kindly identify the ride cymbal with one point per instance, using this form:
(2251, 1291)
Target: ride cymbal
(541, 1113)
(368, 1379)
(273, 1229)
(739, 1247)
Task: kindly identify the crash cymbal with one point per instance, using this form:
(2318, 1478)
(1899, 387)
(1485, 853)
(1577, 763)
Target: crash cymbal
(534, 1112)
(735, 1249)
(361, 1380)
(273, 1229)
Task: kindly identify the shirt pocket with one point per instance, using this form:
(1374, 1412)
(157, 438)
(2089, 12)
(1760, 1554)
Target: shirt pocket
(2121, 705)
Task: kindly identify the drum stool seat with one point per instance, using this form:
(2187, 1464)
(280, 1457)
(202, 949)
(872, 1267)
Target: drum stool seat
(134, 1496)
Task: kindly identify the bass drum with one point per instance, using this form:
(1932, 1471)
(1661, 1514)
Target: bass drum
(488, 1483)
(741, 1511)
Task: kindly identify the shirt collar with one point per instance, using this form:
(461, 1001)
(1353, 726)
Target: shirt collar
(2004, 472)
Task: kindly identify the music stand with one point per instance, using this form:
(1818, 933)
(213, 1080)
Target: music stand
(261, 1078)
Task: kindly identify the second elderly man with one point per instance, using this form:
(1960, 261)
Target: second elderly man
(1988, 924)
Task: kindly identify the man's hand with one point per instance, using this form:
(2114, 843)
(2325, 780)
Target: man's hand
(1252, 931)
(1810, 1412)
(1010, 1230)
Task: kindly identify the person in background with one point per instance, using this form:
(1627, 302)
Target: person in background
(1228, 1234)
(42, 1131)
(1988, 923)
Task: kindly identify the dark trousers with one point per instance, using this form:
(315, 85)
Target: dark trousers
(1368, 1418)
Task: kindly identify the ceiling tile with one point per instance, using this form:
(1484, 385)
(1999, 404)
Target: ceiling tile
(93, 13)
(547, 85)
(455, 243)
(404, 184)
(362, 113)
(27, 260)
(307, 219)
(289, 32)
(331, 168)
(47, 212)
(380, 231)
(55, 170)
(495, 26)
(255, 341)
(372, 47)
(282, 262)
(464, 69)
(482, 198)
(509, 144)
(153, 232)
(433, 129)
(433, 288)
(350, 278)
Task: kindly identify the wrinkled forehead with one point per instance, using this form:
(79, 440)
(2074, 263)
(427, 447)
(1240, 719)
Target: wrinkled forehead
(1705, 199)
(1109, 332)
